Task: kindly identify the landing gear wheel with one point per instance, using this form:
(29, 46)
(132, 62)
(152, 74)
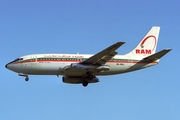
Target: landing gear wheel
(85, 83)
(26, 79)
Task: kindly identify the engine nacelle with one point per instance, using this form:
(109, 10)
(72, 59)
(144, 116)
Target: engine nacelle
(78, 80)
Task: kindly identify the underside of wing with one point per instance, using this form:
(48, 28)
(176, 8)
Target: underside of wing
(104, 56)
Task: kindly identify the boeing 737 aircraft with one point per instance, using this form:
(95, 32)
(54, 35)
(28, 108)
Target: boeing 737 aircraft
(83, 68)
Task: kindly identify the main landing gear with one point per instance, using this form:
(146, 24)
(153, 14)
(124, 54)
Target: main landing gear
(85, 83)
(89, 77)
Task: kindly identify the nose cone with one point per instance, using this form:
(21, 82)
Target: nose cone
(6, 65)
(10, 66)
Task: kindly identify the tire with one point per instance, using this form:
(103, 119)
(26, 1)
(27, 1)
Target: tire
(85, 83)
(26, 79)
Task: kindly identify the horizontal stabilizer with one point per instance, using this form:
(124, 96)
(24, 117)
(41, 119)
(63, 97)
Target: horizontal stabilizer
(157, 55)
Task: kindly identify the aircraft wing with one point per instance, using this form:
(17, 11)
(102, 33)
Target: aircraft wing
(104, 56)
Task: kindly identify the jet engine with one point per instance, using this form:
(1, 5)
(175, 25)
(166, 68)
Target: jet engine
(79, 80)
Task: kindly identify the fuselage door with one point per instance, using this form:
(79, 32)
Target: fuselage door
(34, 60)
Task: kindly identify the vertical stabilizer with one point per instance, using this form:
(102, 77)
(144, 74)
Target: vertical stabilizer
(148, 44)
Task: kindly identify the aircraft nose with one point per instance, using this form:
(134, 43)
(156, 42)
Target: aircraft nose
(6, 65)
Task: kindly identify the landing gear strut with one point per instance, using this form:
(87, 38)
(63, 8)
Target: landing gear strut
(25, 75)
(85, 83)
(89, 75)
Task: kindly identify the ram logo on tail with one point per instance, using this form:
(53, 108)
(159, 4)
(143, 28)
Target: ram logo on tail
(142, 45)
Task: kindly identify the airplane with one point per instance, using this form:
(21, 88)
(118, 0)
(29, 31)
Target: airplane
(83, 68)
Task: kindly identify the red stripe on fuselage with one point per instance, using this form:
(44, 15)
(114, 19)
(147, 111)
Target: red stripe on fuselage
(116, 61)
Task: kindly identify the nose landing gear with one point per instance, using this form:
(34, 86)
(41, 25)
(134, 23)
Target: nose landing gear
(25, 75)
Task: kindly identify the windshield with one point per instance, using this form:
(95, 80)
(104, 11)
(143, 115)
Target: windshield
(18, 59)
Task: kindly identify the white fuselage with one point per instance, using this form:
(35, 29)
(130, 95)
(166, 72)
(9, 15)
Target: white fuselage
(55, 64)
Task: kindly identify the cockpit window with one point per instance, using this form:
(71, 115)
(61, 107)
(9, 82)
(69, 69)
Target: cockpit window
(18, 59)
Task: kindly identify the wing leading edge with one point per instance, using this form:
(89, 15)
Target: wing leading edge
(104, 56)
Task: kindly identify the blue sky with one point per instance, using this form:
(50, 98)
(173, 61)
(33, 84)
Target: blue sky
(87, 27)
